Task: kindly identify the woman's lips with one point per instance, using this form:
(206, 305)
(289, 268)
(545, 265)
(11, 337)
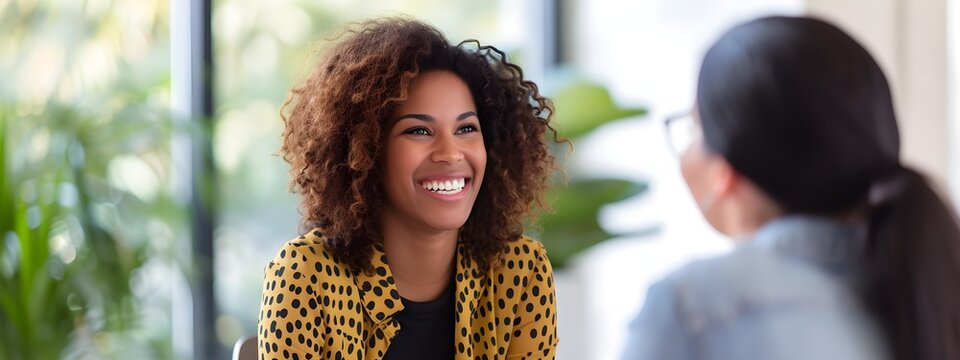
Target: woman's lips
(445, 188)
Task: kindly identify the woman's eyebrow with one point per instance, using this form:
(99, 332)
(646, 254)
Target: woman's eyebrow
(466, 115)
(430, 119)
(421, 117)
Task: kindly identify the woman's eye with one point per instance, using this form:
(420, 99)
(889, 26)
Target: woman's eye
(466, 129)
(417, 131)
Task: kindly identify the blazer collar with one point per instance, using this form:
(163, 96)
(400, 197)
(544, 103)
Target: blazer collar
(378, 291)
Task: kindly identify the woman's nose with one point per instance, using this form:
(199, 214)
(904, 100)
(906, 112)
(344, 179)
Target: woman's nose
(446, 150)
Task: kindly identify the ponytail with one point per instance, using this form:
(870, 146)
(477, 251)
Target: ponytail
(914, 267)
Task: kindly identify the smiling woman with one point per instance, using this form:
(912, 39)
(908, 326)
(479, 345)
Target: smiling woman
(419, 162)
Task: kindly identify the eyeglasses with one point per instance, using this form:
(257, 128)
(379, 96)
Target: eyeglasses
(682, 131)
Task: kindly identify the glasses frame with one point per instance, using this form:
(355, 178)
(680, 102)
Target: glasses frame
(670, 124)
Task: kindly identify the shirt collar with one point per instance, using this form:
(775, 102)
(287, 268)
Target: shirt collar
(820, 240)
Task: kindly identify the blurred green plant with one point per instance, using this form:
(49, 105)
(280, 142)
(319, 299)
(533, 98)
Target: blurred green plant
(75, 245)
(573, 225)
(25, 281)
(86, 217)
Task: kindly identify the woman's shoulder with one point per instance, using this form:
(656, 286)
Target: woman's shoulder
(524, 255)
(525, 248)
(720, 289)
(307, 253)
(724, 304)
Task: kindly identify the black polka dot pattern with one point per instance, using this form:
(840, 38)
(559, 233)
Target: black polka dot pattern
(314, 308)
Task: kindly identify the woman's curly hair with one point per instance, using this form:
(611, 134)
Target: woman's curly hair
(337, 118)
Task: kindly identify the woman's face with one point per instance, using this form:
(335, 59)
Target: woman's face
(435, 157)
(730, 202)
(698, 166)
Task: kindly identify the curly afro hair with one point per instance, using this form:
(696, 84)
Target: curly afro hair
(336, 119)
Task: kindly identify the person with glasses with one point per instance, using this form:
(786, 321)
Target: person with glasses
(843, 252)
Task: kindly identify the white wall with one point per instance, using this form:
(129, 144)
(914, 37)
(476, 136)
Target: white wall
(953, 96)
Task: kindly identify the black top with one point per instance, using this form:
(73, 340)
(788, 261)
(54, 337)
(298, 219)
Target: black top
(426, 329)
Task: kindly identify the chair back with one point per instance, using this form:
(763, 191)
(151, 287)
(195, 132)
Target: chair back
(245, 349)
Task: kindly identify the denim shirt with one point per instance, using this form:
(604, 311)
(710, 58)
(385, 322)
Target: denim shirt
(787, 293)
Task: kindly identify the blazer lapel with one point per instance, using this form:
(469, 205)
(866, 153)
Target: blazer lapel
(380, 299)
(469, 281)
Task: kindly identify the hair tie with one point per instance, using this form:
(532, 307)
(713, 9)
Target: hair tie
(888, 188)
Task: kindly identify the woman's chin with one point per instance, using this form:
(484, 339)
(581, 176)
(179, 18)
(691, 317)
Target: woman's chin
(452, 225)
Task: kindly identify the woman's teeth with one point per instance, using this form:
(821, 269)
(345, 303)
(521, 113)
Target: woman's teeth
(445, 187)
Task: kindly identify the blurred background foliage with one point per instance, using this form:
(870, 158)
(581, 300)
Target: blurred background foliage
(87, 218)
(574, 225)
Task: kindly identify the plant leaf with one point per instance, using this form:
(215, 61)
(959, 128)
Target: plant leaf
(584, 106)
(573, 225)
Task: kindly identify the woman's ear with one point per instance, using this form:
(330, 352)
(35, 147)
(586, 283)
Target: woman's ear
(723, 178)
(719, 183)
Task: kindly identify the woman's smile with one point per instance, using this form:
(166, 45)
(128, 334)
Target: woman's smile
(446, 187)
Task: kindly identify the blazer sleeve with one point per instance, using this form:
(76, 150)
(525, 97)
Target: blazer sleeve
(657, 332)
(536, 335)
(288, 313)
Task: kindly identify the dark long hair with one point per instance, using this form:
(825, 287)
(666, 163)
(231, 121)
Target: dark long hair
(801, 109)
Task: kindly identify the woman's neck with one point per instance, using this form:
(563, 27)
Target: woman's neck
(422, 260)
(747, 214)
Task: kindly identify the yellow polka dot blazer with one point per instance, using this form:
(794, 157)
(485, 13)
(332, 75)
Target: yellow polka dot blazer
(314, 308)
